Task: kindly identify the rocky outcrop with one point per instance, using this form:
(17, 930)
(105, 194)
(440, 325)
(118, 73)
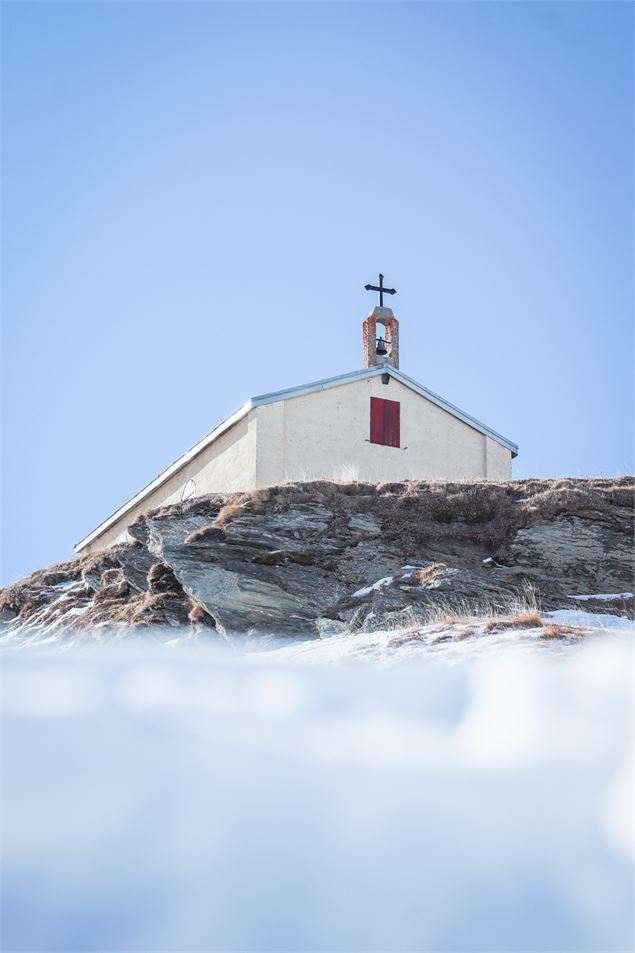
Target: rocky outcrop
(318, 558)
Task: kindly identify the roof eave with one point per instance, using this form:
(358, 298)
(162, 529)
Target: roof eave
(454, 410)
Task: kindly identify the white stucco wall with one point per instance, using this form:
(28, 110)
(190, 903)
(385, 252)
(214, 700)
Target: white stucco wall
(227, 465)
(271, 443)
(498, 461)
(326, 435)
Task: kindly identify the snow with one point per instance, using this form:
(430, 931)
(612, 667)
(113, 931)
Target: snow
(603, 597)
(175, 798)
(47, 624)
(590, 620)
(76, 610)
(445, 646)
(376, 585)
(408, 571)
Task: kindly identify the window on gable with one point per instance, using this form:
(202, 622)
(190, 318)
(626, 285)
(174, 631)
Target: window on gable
(384, 421)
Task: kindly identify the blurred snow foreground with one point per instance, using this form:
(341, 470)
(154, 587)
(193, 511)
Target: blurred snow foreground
(166, 797)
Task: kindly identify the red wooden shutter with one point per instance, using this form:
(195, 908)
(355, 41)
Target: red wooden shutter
(376, 420)
(391, 423)
(384, 422)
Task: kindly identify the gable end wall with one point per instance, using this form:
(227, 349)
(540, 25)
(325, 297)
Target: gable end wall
(326, 435)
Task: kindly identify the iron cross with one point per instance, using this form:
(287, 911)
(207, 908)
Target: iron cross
(382, 291)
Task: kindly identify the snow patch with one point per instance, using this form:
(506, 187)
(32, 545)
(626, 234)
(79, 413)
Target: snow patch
(603, 597)
(408, 571)
(590, 620)
(375, 586)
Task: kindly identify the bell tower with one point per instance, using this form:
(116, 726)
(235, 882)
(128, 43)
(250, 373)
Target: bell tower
(382, 349)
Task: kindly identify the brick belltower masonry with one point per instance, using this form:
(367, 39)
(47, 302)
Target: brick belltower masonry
(390, 338)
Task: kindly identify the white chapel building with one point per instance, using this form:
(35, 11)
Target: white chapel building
(374, 425)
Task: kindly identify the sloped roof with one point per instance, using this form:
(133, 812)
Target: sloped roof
(285, 394)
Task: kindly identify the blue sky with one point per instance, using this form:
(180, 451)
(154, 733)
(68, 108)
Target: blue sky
(196, 193)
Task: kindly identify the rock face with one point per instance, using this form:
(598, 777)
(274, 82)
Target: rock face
(315, 559)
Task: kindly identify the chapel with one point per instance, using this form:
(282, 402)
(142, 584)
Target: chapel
(374, 425)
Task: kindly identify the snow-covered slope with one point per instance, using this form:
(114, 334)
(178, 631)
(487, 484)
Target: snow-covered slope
(444, 643)
(161, 798)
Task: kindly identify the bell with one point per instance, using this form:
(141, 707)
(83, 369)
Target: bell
(381, 347)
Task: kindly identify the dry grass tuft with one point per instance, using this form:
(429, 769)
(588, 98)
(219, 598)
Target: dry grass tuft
(556, 631)
(238, 505)
(112, 592)
(231, 510)
(228, 513)
(457, 629)
(403, 638)
(525, 620)
(161, 579)
(204, 533)
(198, 615)
(423, 577)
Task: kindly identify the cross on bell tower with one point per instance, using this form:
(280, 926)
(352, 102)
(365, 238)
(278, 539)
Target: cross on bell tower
(382, 291)
(381, 350)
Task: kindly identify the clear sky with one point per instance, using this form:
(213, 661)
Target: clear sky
(196, 193)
